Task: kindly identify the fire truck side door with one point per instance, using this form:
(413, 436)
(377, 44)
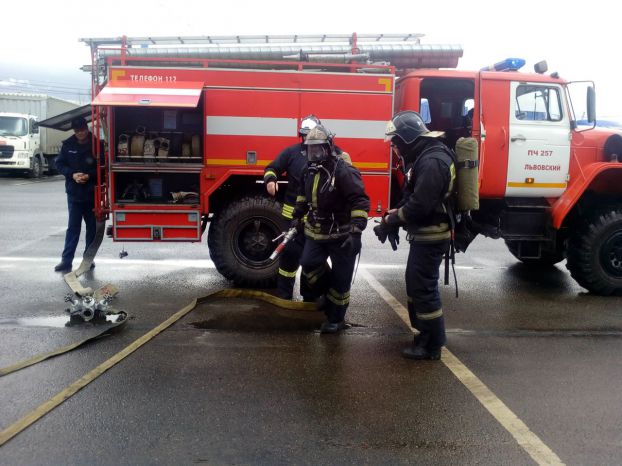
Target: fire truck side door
(539, 141)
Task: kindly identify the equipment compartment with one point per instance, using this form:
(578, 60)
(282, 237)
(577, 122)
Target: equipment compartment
(162, 135)
(152, 187)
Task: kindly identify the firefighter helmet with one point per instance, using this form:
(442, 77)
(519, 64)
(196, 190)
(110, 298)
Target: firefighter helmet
(307, 124)
(407, 125)
(319, 144)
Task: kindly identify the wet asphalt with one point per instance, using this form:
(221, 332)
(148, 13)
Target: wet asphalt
(243, 382)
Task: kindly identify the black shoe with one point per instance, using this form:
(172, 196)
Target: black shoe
(421, 353)
(331, 327)
(62, 267)
(92, 266)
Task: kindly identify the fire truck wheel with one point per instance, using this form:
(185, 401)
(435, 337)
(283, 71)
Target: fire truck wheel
(240, 241)
(595, 254)
(36, 169)
(547, 258)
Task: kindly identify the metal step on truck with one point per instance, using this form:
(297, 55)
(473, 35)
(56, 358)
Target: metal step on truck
(191, 122)
(24, 146)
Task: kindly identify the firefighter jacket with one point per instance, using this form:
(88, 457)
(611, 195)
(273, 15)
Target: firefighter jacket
(292, 160)
(430, 180)
(333, 198)
(77, 158)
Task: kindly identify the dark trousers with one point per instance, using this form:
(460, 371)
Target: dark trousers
(289, 261)
(77, 212)
(334, 284)
(424, 300)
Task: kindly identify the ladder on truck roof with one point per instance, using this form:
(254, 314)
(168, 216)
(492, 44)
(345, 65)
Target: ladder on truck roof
(253, 39)
(401, 51)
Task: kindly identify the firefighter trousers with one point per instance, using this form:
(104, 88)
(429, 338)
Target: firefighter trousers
(289, 261)
(334, 284)
(425, 309)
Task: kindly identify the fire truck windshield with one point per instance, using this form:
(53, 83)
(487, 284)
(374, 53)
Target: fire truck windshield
(13, 126)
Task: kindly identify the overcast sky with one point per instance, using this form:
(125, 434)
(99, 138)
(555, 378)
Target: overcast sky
(579, 40)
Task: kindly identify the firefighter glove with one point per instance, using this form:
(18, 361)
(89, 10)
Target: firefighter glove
(297, 223)
(394, 238)
(381, 231)
(385, 231)
(352, 244)
(391, 219)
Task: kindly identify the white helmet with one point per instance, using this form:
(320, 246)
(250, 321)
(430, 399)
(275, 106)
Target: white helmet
(307, 124)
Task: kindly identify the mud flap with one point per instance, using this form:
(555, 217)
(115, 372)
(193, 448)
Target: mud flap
(71, 278)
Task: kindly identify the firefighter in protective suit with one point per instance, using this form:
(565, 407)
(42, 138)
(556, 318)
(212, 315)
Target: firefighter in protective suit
(424, 213)
(335, 204)
(291, 161)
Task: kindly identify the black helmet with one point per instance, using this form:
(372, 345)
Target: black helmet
(307, 124)
(319, 144)
(407, 125)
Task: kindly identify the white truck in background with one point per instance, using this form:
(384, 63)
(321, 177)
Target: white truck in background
(24, 147)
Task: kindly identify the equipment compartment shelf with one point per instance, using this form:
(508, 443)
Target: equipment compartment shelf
(156, 187)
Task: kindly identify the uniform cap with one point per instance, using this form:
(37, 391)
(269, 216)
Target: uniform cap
(78, 123)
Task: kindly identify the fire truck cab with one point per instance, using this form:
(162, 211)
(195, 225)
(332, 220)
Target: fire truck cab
(549, 187)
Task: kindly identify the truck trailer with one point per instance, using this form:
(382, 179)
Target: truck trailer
(24, 146)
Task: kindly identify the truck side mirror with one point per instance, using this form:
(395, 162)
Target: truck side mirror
(591, 105)
(35, 128)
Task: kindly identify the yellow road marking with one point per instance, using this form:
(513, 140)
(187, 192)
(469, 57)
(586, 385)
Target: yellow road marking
(36, 414)
(528, 440)
(83, 381)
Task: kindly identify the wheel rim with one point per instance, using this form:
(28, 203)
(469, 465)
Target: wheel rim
(252, 241)
(611, 255)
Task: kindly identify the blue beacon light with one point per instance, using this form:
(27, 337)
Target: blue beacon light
(509, 64)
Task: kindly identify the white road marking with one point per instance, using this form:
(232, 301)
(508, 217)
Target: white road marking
(175, 263)
(170, 263)
(528, 440)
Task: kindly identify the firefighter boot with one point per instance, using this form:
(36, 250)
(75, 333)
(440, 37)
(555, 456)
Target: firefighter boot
(427, 345)
(285, 281)
(335, 322)
(333, 327)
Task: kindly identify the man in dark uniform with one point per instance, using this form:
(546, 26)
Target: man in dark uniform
(424, 213)
(77, 164)
(334, 201)
(292, 161)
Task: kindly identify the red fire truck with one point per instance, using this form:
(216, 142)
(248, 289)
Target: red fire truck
(191, 122)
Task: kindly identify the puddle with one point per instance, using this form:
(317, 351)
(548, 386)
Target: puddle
(52, 321)
(255, 317)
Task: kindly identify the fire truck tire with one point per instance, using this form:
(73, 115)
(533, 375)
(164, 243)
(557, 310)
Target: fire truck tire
(240, 241)
(595, 254)
(547, 258)
(36, 169)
